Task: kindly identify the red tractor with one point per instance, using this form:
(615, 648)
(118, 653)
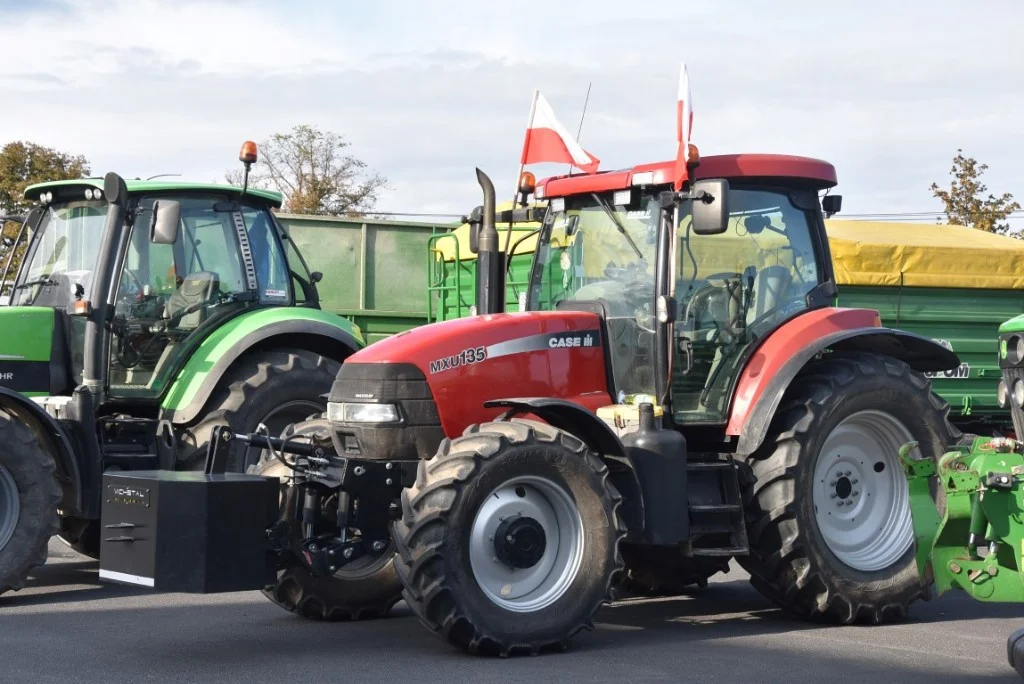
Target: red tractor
(679, 391)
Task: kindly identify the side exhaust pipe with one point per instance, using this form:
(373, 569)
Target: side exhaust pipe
(490, 268)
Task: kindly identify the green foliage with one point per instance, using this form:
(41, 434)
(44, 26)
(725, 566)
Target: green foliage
(965, 202)
(21, 165)
(315, 173)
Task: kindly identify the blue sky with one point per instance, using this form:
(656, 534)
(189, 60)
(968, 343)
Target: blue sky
(887, 91)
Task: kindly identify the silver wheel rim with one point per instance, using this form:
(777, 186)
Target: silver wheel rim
(534, 588)
(860, 496)
(10, 506)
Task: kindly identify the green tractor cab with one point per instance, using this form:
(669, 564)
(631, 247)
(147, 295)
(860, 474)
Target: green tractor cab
(143, 315)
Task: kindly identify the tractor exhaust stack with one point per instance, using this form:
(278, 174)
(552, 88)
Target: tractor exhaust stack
(490, 273)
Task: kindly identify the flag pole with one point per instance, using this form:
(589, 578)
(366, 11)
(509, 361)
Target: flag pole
(522, 166)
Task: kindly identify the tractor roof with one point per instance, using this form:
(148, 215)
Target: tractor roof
(811, 172)
(153, 186)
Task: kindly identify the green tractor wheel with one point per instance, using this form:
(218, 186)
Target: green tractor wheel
(275, 388)
(29, 494)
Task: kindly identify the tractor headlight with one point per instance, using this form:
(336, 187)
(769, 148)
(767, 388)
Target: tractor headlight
(349, 412)
(1015, 349)
(1018, 392)
(1002, 394)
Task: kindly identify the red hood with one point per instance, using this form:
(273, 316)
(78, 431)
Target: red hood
(470, 360)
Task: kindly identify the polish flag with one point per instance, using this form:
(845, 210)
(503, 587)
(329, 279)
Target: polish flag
(684, 115)
(548, 141)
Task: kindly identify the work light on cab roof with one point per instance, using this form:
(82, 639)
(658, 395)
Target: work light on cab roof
(527, 184)
(247, 155)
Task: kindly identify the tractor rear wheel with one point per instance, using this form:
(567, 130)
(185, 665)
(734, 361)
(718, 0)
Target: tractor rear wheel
(509, 539)
(29, 495)
(276, 388)
(829, 524)
(366, 588)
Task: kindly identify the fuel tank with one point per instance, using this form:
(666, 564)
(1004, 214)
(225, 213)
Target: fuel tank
(440, 375)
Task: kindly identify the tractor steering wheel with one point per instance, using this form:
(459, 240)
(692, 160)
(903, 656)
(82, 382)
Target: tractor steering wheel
(704, 291)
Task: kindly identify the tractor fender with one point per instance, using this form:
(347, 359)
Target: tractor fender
(595, 433)
(53, 437)
(756, 398)
(325, 333)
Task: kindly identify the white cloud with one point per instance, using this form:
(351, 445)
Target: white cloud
(427, 91)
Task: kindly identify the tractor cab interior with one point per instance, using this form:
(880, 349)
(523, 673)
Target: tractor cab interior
(169, 294)
(731, 289)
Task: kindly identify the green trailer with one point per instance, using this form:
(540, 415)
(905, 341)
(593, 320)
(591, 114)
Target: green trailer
(374, 271)
(953, 284)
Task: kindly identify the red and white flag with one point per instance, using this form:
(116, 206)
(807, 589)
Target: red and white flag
(684, 126)
(548, 141)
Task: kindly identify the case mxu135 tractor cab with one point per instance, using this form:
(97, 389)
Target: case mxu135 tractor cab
(678, 392)
(144, 314)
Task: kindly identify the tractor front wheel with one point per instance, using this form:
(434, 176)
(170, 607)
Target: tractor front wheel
(29, 495)
(829, 524)
(366, 588)
(509, 539)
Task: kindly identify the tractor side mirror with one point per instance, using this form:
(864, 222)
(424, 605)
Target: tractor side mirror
(316, 276)
(163, 226)
(710, 206)
(831, 204)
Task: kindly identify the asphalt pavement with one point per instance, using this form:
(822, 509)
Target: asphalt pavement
(66, 626)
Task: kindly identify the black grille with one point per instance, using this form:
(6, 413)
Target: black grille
(402, 384)
(1009, 376)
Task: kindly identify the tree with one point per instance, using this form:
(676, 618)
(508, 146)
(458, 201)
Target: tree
(312, 169)
(965, 202)
(21, 165)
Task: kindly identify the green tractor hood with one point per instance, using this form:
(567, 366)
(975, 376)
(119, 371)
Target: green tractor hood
(1015, 324)
(26, 346)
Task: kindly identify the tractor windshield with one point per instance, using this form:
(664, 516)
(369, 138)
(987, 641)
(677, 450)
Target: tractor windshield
(733, 289)
(61, 258)
(593, 249)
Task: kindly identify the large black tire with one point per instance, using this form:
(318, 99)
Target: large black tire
(367, 588)
(29, 495)
(436, 550)
(276, 387)
(666, 571)
(791, 563)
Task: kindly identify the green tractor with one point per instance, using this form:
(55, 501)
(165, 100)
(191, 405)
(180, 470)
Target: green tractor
(973, 541)
(145, 314)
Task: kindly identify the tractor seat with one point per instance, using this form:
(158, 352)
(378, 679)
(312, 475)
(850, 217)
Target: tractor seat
(771, 286)
(195, 288)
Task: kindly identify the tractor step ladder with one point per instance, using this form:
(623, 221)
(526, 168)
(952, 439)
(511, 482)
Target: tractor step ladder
(716, 507)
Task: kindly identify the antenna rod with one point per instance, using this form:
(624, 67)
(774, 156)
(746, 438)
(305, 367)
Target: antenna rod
(583, 114)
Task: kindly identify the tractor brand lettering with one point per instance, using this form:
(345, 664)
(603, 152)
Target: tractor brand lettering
(571, 341)
(5, 377)
(546, 342)
(465, 357)
(581, 339)
(128, 496)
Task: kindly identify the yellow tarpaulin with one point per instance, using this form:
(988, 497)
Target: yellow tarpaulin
(925, 255)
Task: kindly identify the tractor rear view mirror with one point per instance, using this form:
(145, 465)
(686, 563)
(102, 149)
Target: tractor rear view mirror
(710, 206)
(163, 225)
